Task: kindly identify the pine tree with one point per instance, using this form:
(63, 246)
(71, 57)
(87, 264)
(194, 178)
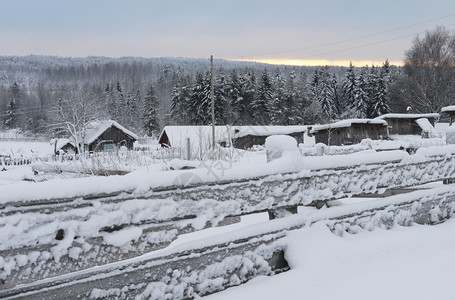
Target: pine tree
(180, 105)
(277, 105)
(260, 103)
(292, 106)
(380, 98)
(247, 96)
(11, 114)
(337, 105)
(150, 121)
(360, 105)
(201, 102)
(348, 88)
(302, 100)
(234, 98)
(220, 90)
(12, 110)
(322, 90)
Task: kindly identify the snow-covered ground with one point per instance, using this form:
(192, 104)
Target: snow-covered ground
(25, 149)
(414, 262)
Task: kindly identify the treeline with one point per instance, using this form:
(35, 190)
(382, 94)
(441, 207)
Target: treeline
(147, 94)
(35, 89)
(275, 98)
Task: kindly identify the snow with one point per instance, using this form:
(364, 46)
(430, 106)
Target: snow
(24, 229)
(348, 123)
(240, 131)
(121, 237)
(425, 124)
(403, 263)
(25, 149)
(448, 108)
(282, 145)
(409, 116)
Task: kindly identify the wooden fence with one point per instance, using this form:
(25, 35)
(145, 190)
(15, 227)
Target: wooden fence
(252, 252)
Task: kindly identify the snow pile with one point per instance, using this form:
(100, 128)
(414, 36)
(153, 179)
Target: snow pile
(402, 263)
(415, 141)
(15, 174)
(281, 146)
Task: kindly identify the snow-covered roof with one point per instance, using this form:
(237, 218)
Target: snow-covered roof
(425, 124)
(408, 116)
(198, 135)
(448, 108)
(240, 131)
(348, 123)
(62, 142)
(96, 128)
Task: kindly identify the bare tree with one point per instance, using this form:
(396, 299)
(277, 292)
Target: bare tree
(75, 112)
(429, 68)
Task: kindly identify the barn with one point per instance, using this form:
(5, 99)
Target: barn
(107, 135)
(409, 124)
(351, 131)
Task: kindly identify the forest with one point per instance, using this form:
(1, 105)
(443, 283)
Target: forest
(44, 94)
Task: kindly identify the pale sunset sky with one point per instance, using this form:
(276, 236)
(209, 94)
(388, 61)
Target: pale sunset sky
(299, 32)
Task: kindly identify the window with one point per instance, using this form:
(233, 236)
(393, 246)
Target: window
(109, 147)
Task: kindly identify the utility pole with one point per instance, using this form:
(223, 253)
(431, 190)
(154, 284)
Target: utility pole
(212, 95)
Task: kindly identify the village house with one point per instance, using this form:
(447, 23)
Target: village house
(410, 124)
(107, 135)
(349, 132)
(245, 137)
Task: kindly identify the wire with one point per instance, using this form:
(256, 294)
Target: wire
(369, 44)
(351, 39)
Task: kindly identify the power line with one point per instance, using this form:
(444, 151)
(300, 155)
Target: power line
(352, 39)
(369, 44)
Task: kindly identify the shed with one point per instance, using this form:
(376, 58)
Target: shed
(351, 131)
(107, 135)
(245, 137)
(405, 124)
(449, 111)
(66, 145)
(242, 137)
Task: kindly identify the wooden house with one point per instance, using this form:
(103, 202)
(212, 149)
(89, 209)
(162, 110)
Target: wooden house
(64, 145)
(409, 124)
(107, 136)
(349, 132)
(241, 137)
(245, 137)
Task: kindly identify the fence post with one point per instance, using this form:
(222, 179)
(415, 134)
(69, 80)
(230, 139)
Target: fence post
(188, 149)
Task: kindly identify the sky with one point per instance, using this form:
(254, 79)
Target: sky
(299, 32)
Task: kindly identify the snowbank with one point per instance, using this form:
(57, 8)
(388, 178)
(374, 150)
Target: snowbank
(403, 263)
